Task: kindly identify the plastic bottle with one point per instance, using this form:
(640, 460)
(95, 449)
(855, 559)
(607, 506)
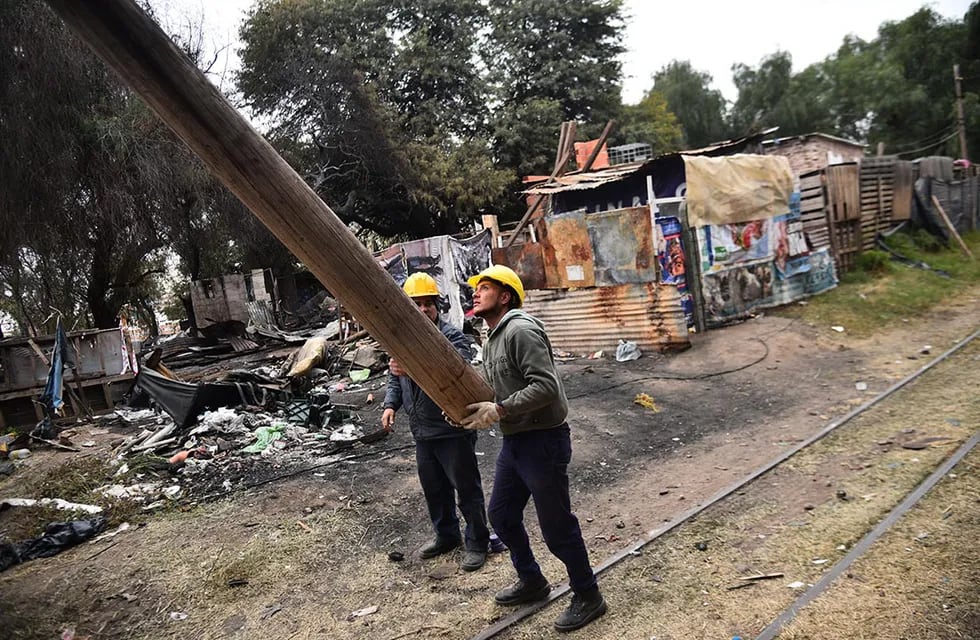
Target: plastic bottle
(19, 454)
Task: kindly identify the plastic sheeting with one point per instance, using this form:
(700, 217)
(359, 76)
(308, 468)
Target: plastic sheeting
(185, 402)
(61, 357)
(738, 188)
(448, 260)
(57, 537)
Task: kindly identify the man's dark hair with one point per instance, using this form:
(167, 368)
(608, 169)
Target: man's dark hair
(515, 300)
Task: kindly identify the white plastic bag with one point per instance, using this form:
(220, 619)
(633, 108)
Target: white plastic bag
(627, 351)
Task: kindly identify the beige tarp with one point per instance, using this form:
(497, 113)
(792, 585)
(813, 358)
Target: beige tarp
(737, 188)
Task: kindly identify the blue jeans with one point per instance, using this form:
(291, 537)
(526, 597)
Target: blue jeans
(448, 468)
(535, 464)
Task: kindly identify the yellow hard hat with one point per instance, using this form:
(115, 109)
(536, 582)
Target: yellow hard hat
(501, 275)
(421, 285)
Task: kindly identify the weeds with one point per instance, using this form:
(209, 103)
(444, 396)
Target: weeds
(882, 292)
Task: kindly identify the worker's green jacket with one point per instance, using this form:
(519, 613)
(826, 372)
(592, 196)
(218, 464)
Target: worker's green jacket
(518, 364)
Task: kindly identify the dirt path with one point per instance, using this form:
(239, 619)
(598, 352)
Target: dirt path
(740, 396)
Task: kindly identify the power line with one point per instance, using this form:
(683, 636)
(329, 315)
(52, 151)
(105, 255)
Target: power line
(927, 140)
(927, 147)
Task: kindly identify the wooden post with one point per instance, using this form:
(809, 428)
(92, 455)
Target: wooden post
(952, 229)
(960, 126)
(490, 222)
(562, 143)
(135, 48)
(559, 169)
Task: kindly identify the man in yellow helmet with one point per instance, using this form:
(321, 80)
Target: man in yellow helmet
(531, 407)
(445, 455)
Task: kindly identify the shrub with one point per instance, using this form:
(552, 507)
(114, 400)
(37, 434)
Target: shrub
(875, 262)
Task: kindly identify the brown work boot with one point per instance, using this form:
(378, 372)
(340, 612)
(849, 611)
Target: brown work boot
(522, 591)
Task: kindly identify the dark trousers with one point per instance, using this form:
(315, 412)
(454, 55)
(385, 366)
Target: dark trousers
(448, 468)
(535, 464)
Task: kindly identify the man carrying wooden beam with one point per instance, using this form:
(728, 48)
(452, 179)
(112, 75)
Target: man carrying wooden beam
(445, 455)
(531, 407)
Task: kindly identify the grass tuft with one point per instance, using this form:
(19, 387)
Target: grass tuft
(881, 293)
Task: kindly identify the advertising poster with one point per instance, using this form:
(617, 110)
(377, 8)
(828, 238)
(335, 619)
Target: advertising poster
(789, 242)
(733, 292)
(670, 251)
(740, 241)
(673, 262)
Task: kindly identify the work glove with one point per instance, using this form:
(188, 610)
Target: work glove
(482, 415)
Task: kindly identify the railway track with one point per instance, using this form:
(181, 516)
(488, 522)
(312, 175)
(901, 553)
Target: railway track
(511, 622)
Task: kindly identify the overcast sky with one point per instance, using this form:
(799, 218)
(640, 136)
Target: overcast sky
(712, 34)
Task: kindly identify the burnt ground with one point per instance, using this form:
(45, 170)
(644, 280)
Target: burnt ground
(312, 535)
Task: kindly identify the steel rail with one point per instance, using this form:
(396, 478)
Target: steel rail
(865, 543)
(562, 588)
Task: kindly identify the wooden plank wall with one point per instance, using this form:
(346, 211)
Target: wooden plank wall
(813, 210)
(877, 180)
(845, 206)
(843, 194)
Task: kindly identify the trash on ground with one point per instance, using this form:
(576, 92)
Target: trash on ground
(647, 402)
(627, 351)
(57, 503)
(57, 537)
(366, 611)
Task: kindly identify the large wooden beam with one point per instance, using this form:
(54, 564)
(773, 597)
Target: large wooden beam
(135, 48)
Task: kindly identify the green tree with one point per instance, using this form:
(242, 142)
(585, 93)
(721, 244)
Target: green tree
(700, 110)
(546, 53)
(653, 122)
(369, 101)
(79, 178)
(920, 51)
(98, 193)
(760, 92)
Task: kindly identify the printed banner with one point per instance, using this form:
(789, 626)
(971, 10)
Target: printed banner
(673, 262)
(735, 291)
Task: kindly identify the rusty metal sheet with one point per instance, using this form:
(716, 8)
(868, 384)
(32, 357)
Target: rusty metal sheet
(623, 247)
(527, 260)
(582, 321)
(568, 237)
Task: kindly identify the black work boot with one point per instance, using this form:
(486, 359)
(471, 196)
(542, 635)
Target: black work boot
(473, 560)
(524, 590)
(438, 547)
(584, 608)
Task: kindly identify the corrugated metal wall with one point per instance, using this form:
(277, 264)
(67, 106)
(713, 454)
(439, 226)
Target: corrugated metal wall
(582, 321)
(98, 353)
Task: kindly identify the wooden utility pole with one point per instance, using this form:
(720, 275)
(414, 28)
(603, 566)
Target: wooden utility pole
(960, 120)
(135, 48)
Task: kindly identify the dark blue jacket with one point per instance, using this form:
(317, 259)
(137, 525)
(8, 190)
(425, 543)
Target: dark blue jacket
(424, 416)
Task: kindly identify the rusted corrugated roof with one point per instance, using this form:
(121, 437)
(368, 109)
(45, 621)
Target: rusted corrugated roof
(574, 180)
(583, 321)
(587, 179)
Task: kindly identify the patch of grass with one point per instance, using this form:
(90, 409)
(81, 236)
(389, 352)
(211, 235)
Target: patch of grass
(882, 293)
(75, 481)
(918, 581)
